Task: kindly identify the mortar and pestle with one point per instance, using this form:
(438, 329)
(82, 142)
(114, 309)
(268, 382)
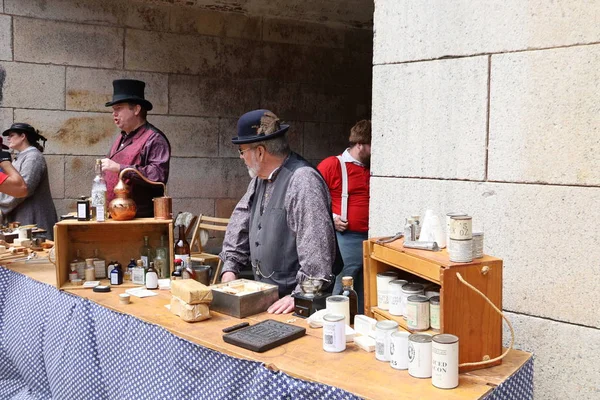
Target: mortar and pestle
(123, 208)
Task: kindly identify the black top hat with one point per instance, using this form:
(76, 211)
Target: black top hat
(129, 91)
(251, 127)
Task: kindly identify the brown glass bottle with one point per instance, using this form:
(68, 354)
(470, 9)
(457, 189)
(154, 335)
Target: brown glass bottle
(181, 250)
(348, 291)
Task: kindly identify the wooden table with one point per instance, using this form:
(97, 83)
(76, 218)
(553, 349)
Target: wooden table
(353, 370)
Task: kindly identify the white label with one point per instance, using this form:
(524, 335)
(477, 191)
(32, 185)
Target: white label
(81, 211)
(144, 260)
(100, 269)
(444, 365)
(334, 336)
(100, 213)
(137, 276)
(114, 279)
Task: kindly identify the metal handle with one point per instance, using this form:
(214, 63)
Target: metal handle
(143, 178)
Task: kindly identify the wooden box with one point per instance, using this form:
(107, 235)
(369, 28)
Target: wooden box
(115, 240)
(246, 302)
(462, 312)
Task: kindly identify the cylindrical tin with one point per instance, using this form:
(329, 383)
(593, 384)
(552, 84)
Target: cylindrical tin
(399, 350)
(417, 313)
(460, 251)
(383, 279)
(409, 289)
(163, 207)
(419, 355)
(383, 334)
(395, 296)
(434, 313)
(461, 228)
(339, 305)
(431, 293)
(448, 217)
(444, 361)
(334, 333)
(477, 244)
(460, 247)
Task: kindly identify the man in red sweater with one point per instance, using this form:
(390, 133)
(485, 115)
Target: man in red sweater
(351, 216)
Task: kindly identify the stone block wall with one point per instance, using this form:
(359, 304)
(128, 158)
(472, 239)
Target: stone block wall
(203, 69)
(493, 108)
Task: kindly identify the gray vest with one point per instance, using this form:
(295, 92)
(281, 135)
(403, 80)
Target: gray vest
(272, 244)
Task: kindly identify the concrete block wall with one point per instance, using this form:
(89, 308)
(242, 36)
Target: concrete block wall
(493, 108)
(203, 69)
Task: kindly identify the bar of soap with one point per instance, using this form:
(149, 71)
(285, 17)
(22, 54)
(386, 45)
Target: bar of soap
(189, 312)
(22, 242)
(350, 333)
(365, 325)
(191, 291)
(366, 343)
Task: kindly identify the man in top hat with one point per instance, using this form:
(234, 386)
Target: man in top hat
(140, 145)
(11, 182)
(282, 226)
(351, 208)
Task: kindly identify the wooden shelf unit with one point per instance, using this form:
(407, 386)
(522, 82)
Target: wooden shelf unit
(462, 311)
(115, 241)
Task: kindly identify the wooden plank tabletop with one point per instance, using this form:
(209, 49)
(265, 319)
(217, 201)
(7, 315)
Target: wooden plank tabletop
(353, 370)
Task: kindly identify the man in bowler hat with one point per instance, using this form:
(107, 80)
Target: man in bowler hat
(140, 145)
(282, 226)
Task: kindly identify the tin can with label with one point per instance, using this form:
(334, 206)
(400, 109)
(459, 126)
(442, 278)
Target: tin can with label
(399, 350)
(417, 313)
(334, 333)
(444, 361)
(448, 217)
(339, 305)
(383, 335)
(395, 296)
(477, 244)
(434, 313)
(383, 280)
(409, 289)
(419, 355)
(460, 247)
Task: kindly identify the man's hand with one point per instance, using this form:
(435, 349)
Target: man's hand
(110, 165)
(5, 156)
(228, 276)
(282, 306)
(340, 225)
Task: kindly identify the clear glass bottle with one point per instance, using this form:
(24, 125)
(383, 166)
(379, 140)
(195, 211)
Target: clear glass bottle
(151, 278)
(181, 250)
(348, 291)
(128, 271)
(79, 264)
(138, 275)
(161, 258)
(99, 265)
(98, 199)
(146, 253)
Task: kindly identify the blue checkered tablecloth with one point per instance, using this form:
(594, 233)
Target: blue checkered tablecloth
(54, 345)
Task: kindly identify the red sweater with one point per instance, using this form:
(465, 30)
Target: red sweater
(358, 191)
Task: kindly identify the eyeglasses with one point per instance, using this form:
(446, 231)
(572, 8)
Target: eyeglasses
(244, 150)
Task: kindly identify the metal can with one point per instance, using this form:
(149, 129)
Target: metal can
(383, 334)
(434, 313)
(339, 305)
(395, 296)
(477, 244)
(417, 313)
(419, 355)
(334, 333)
(444, 361)
(448, 217)
(383, 280)
(409, 289)
(399, 350)
(460, 247)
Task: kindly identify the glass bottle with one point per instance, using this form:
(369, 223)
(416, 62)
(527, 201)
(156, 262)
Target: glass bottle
(151, 278)
(348, 291)
(83, 209)
(160, 260)
(182, 248)
(128, 271)
(116, 275)
(146, 253)
(138, 274)
(79, 265)
(98, 199)
(99, 265)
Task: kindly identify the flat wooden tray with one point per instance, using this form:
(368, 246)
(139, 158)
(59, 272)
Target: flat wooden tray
(264, 336)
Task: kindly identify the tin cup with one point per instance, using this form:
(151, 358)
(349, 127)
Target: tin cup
(444, 361)
(334, 333)
(399, 350)
(383, 334)
(395, 296)
(419, 355)
(383, 280)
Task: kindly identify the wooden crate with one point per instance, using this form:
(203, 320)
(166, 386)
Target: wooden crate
(115, 240)
(462, 312)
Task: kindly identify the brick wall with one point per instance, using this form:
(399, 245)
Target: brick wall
(203, 69)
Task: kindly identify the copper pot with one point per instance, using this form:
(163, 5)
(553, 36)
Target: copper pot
(123, 208)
